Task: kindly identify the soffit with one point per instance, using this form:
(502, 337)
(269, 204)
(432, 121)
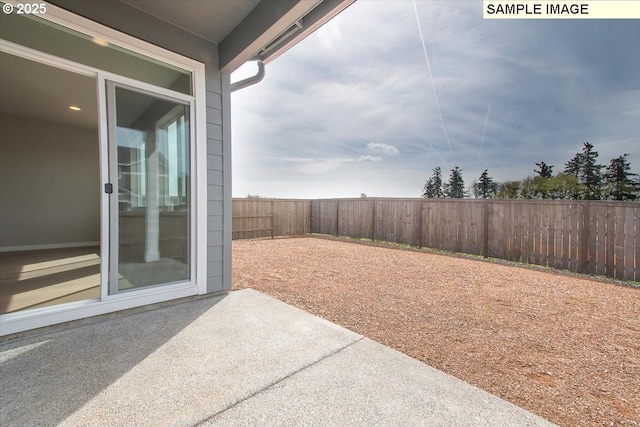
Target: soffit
(210, 20)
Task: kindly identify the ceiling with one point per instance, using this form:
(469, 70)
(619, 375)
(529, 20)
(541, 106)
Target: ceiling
(211, 20)
(27, 91)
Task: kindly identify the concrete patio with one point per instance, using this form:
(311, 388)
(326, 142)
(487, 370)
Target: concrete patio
(241, 359)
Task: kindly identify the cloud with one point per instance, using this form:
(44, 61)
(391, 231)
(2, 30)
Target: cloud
(333, 109)
(316, 165)
(368, 158)
(386, 149)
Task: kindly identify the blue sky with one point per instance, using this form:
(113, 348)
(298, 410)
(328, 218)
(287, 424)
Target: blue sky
(357, 107)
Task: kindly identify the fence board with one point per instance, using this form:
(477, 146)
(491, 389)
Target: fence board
(636, 244)
(619, 244)
(559, 257)
(493, 216)
(478, 227)
(600, 213)
(528, 223)
(551, 233)
(544, 235)
(610, 236)
(574, 233)
(447, 229)
(593, 235)
(566, 230)
(583, 254)
(535, 229)
(517, 232)
(629, 247)
(504, 225)
(460, 245)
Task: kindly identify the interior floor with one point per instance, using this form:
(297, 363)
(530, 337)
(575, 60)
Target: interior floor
(33, 279)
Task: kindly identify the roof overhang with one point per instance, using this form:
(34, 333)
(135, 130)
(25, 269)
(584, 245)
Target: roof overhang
(243, 30)
(267, 32)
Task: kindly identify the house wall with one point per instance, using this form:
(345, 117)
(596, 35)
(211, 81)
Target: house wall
(129, 20)
(49, 184)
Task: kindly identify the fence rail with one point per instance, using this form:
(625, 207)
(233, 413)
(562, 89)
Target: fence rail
(596, 237)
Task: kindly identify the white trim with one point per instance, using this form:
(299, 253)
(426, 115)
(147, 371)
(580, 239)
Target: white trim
(112, 83)
(46, 59)
(36, 318)
(110, 286)
(48, 246)
(46, 316)
(147, 88)
(199, 183)
(93, 29)
(104, 179)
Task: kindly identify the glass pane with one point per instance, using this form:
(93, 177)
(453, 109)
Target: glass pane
(152, 138)
(45, 36)
(49, 186)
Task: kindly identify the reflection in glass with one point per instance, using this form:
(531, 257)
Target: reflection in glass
(152, 137)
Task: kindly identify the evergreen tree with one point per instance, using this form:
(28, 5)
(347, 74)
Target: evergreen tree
(584, 167)
(620, 183)
(454, 189)
(572, 167)
(485, 188)
(433, 186)
(591, 172)
(545, 171)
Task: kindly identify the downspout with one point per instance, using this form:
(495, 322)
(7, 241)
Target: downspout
(249, 80)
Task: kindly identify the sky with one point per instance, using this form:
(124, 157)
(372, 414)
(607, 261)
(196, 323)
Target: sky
(387, 90)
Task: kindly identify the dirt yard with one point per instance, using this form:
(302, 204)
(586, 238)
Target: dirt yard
(564, 347)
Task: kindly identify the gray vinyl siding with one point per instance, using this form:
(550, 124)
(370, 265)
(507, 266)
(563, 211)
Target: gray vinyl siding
(216, 163)
(133, 21)
(226, 152)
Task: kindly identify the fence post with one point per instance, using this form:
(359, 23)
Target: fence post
(485, 237)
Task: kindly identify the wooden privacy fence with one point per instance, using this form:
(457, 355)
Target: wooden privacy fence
(255, 218)
(597, 237)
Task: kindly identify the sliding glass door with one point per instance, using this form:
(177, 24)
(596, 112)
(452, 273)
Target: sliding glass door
(150, 202)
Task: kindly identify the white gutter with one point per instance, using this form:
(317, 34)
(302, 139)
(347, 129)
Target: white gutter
(249, 81)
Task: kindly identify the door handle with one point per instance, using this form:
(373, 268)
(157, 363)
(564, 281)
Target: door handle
(108, 188)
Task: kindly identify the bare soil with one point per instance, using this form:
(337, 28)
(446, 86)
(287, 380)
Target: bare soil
(564, 347)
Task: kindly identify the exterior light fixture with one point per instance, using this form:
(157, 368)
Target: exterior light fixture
(74, 108)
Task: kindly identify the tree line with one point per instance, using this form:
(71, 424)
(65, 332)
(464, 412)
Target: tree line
(582, 178)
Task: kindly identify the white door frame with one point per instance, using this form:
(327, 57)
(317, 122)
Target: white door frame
(35, 318)
(112, 201)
